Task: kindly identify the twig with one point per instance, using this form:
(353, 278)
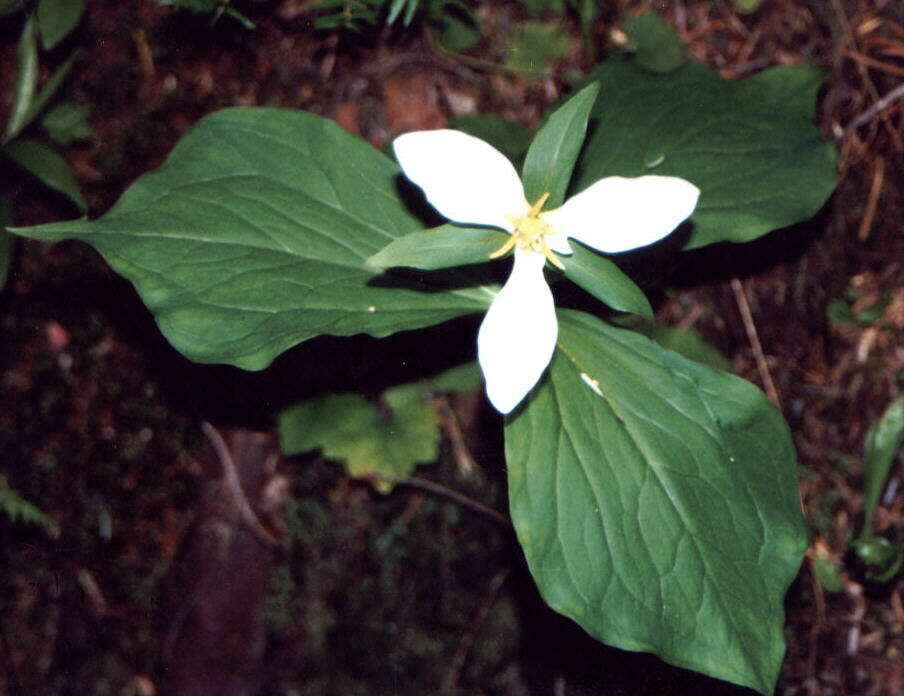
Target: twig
(754, 338)
(872, 200)
(446, 492)
(467, 642)
(452, 427)
(234, 485)
(877, 106)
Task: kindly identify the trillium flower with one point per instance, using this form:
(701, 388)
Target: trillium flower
(470, 182)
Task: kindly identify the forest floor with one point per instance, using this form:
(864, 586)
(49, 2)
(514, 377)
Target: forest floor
(413, 593)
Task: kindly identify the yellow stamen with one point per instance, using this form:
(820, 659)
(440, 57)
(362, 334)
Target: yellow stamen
(505, 248)
(538, 206)
(529, 234)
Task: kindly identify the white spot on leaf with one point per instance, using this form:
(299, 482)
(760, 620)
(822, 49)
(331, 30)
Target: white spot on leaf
(592, 383)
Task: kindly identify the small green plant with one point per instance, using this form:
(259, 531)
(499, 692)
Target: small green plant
(214, 8)
(453, 20)
(882, 556)
(46, 24)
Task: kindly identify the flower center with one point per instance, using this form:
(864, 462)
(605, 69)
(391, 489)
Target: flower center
(530, 234)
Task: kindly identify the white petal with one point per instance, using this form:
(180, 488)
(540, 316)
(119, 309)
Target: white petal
(617, 214)
(518, 335)
(464, 178)
(559, 244)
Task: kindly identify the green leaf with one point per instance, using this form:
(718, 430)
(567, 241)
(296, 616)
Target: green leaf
(510, 138)
(828, 574)
(57, 18)
(47, 165)
(6, 242)
(47, 91)
(550, 160)
(17, 509)
(67, 122)
(534, 45)
(656, 45)
(458, 35)
(882, 445)
(749, 145)
(252, 238)
(605, 281)
(747, 6)
(689, 343)
(656, 502)
(26, 80)
(461, 378)
(440, 247)
(381, 441)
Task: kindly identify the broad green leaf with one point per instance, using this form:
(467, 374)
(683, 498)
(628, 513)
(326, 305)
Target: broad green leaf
(656, 46)
(381, 441)
(749, 145)
(252, 238)
(26, 80)
(550, 159)
(883, 442)
(686, 341)
(656, 502)
(57, 18)
(440, 247)
(510, 138)
(47, 165)
(6, 242)
(67, 122)
(605, 281)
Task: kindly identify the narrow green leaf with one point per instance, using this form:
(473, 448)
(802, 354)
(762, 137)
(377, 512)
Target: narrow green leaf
(656, 502)
(26, 80)
(47, 165)
(749, 145)
(17, 509)
(252, 237)
(510, 138)
(49, 89)
(657, 47)
(554, 150)
(57, 18)
(6, 242)
(883, 443)
(381, 441)
(440, 247)
(605, 281)
(67, 122)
